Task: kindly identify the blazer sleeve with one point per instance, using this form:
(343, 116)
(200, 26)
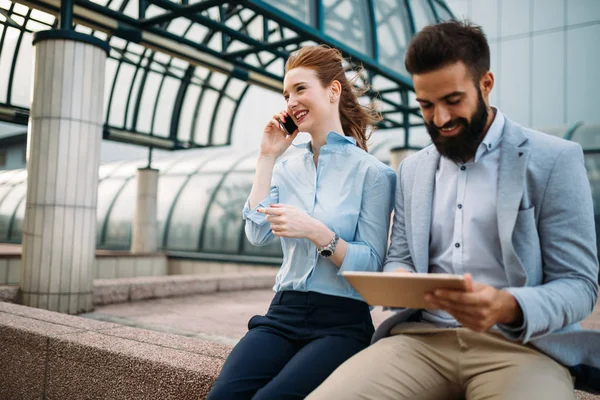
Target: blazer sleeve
(398, 255)
(568, 246)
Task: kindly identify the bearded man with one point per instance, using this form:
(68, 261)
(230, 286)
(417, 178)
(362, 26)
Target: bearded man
(511, 210)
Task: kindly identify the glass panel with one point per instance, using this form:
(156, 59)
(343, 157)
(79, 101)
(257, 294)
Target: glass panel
(548, 100)
(8, 207)
(548, 14)
(224, 223)
(4, 190)
(184, 230)
(207, 107)
(135, 89)
(19, 176)
(220, 164)
(583, 84)
(197, 32)
(16, 233)
(348, 21)
(106, 169)
(42, 17)
(150, 92)
(184, 130)
(485, 13)
(118, 228)
(120, 95)
(442, 12)
(179, 25)
(513, 89)
(422, 13)
(23, 72)
(249, 164)
(164, 111)
(109, 77)
(107, 190)
(299, 9)
(168, 187)
(35, 26)
(7, 53)
(223, 122)
(191, 162)
(514, 17)
(583, 11)
(129, 168)
(5, 176)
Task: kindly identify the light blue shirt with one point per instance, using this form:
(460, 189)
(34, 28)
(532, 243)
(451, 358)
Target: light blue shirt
(464, 225)
(351, 192)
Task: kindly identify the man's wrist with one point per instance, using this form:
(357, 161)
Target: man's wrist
(511, 310)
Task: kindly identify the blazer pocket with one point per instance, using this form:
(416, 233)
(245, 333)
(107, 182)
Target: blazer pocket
(525, 223)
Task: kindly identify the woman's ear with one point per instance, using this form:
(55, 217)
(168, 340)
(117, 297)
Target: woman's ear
(335, 89)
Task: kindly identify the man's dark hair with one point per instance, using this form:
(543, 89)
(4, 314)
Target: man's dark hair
(439, 45)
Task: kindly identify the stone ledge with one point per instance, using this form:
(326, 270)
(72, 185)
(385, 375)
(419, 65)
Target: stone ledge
(109, 291)
(53, 356)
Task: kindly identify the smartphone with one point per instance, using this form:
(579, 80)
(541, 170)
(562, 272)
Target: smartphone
(289, 125)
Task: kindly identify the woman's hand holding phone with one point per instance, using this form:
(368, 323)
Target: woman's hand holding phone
(275, 140)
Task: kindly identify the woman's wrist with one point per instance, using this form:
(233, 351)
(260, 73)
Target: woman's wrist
(321, 235)
(270, 158)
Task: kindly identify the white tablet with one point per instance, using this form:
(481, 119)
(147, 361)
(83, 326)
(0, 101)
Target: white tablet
(397, 289)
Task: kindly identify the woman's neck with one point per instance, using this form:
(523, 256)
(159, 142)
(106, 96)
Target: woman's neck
(319, 135)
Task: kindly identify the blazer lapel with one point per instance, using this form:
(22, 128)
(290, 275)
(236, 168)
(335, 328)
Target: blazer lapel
(422, 201)
(511, 183)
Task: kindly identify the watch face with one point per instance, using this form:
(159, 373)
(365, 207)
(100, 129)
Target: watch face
(326, 253)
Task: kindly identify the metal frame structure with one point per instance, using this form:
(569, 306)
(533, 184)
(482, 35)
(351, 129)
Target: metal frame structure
(188, 65)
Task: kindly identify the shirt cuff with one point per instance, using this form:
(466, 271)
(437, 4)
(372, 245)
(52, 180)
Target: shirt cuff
(392, 266)
(357, 258)
(255, 216)
(513, 332)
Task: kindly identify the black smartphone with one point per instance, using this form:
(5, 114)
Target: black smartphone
(289, 125)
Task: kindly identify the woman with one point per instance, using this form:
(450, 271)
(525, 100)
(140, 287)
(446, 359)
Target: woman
(330, 203)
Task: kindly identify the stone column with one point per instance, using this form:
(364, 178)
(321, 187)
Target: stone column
(145, 225)
(63, 153)
(399, 154)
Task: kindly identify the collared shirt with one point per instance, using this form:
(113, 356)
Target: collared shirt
(351, 192)
(464, 226)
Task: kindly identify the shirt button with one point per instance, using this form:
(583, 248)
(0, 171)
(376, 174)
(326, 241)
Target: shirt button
(459, 206)
(462, 168)
(457, 245)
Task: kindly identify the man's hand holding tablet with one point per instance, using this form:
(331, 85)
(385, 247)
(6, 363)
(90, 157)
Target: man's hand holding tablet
(474, 305)
(479, 307)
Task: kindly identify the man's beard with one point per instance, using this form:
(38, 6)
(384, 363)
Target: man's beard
(463, 146)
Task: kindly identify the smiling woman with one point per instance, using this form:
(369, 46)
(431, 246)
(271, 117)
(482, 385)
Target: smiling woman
(330, 202)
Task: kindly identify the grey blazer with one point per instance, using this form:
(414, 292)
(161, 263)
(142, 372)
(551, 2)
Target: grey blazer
(548, 241)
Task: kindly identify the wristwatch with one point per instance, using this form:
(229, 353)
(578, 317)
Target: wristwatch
(328, 250)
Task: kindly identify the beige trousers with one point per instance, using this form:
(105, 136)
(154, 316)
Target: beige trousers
(420, 362)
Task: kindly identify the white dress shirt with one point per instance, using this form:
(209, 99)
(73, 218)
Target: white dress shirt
(464, 226)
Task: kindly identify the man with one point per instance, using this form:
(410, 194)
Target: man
(511, 209)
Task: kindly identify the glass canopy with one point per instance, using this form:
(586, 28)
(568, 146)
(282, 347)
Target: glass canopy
(201, 194)
(177, 72)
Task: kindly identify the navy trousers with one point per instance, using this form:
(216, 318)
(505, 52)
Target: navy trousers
(290, 351)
